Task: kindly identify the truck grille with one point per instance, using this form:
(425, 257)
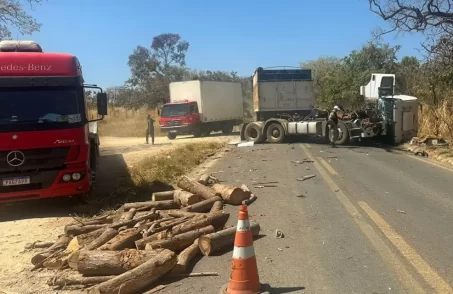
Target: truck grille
(171, 123)
(35, 159)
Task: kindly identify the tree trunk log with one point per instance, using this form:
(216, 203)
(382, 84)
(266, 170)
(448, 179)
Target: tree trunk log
(38, 244)
(99, 220)
(203, 206)
(232, 195)
(207, 180)
(216, 241)
(217, 220)
(60, 259)
(105, 263)
(185, 256)
(106, 236)
(85, 239)
(216, 207)
(140, 244)
(75, 230)
(181, 213)
(73, 279)
(162, 205)
(180, 242)
(185, 198)
(61, 243)
(161, 196)
(152, 216)
(127, 216)
(137, 279)
(194, 187)
(123, 240)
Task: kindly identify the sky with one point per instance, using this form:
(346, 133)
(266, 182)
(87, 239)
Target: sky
(223, 35)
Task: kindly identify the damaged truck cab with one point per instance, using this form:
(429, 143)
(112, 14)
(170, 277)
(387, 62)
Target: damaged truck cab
(283, 104)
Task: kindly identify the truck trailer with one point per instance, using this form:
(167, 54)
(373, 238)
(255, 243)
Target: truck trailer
(201, 107)
(47, 147)
(283, 105)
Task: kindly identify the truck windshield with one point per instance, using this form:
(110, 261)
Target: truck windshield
(39, 108)
(174, 110)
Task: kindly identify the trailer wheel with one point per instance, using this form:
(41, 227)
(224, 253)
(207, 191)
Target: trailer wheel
(253, 133)
(343, 134)
(171, 136)
(275, 133)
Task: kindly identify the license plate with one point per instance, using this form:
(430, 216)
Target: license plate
(173, 131)
(16, 181)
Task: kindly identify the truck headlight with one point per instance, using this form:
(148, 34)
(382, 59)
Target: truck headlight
(66, 177)
(76, 176)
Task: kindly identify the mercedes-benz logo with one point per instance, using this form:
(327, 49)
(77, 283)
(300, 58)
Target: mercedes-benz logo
(15, 158)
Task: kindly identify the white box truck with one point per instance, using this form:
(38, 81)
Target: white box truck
(201, 107)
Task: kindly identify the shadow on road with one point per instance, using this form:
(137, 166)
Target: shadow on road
(279, 290)
(216, 134)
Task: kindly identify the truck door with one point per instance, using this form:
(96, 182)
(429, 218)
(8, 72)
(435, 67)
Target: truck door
(194, 114)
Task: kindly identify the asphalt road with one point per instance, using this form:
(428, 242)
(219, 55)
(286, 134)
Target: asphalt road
(370, 221)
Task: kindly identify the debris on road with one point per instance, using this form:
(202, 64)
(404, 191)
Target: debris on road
(302, 161)
(129, 249)
(246, 144)
(265, 186)
(306, 178)
(401, 211)
(279, 234)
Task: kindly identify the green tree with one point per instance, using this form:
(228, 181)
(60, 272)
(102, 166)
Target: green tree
(14, 15)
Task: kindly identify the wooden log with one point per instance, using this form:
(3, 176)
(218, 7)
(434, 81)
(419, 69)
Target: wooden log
(135, 280)
(217, 206)
(140, 244)
(162, 205)
(161, 196)
(62, 280)
(185, 257)
(75, 230)
(60, 259)
(151, 216)
(203, 206)
(99, 220)
(39, 244)
(125, 239)
(61, 243)
(180, 242)
(214, 242)
(185, 198)
(85, 239)
(207, 180)
(181, 213)
(217, 220)
(105, 263)
(231, 194)
(127, 216)
(194, 187)
(106, 236)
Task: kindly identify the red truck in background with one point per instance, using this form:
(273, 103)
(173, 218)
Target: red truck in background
(46, 147)
(201, 107)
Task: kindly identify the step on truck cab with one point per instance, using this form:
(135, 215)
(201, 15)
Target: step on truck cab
(201, 107)
(46, 146)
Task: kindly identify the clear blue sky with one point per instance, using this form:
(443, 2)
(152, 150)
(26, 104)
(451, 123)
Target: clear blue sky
(224, 35)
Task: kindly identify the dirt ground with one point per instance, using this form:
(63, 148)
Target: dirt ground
(44, 220)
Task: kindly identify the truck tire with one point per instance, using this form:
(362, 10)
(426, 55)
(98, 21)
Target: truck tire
(344, 134)
(227, 130)
(275, 133)
(253, 132)
(197, 132)
(171, 136)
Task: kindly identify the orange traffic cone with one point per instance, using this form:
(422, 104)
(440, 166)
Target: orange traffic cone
(244, 277)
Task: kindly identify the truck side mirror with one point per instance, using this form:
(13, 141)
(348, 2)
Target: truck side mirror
(102, 103)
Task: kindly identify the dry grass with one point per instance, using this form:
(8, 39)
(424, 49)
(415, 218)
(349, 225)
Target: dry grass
(121, 122)
(437, 121)
(168, 166)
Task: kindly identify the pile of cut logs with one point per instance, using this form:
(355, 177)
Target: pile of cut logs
(129, 249)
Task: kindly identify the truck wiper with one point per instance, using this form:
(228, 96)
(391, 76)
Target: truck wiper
(39, 120)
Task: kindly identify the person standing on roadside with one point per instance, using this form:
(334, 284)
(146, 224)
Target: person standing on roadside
(333, 123)
(150, 129)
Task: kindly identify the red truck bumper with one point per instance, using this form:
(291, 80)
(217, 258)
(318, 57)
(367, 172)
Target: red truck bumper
(58, 187)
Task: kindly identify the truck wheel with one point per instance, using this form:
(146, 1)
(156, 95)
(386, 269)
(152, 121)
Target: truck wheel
(227, 130)
(253, 133)
(171, 136)
(343, 134)
(275, 133)
(197, 132)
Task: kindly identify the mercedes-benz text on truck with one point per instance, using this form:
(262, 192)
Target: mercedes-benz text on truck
(46, 146)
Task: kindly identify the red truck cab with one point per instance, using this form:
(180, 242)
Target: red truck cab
(180, 117)
(46, 147)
